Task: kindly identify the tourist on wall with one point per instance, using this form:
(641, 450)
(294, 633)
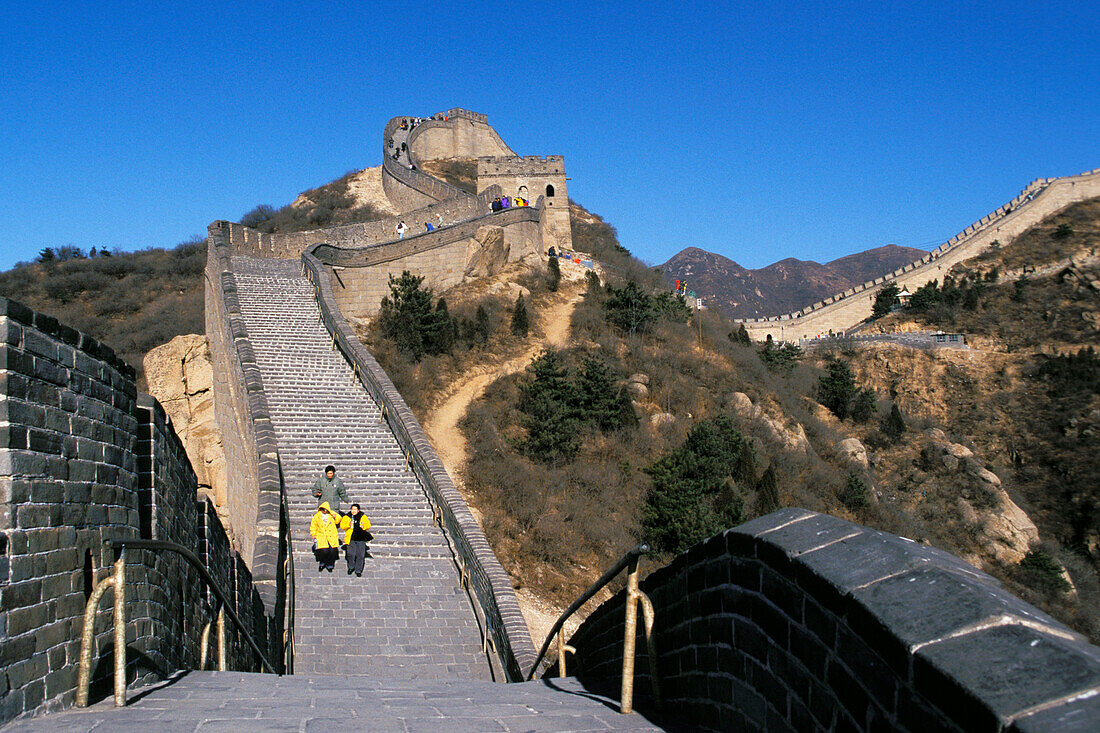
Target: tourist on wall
(401, 229)
(356, 536)
(323, 529)
(330, 489)
(429, 227)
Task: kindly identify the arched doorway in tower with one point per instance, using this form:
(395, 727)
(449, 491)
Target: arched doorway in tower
(549, 190)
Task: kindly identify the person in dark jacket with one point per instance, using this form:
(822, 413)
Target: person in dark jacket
(330, 489)
(356, 528)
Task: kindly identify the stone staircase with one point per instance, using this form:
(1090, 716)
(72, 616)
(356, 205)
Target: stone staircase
(407, 617)
(241, 703)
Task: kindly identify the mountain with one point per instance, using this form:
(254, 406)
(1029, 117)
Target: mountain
(781, 287)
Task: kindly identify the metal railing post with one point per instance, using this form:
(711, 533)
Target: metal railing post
(87, 639)
(221, 639)
(630, 631)
(120, 629)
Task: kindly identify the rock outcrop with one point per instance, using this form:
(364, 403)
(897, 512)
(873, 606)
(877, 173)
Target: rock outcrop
(181, 377)
(1008, 533)
(487, 253)
(774, 427)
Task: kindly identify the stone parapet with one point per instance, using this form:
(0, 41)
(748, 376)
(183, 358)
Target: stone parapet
(505, 625)
(255, 487)
(802, 621)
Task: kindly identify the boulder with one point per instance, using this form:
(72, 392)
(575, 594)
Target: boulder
(661, 419)
(637, 389)
(180, 376)
(950, 462)
(639, 378)
(958, 451)
(853, 451)
(1010, 531)
(486, 253)
(977, 470)
(741, 405)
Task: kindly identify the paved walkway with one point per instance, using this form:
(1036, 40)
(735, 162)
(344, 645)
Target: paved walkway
(238, 702)
(407, 616)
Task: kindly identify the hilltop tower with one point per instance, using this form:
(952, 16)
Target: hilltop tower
(532, 177)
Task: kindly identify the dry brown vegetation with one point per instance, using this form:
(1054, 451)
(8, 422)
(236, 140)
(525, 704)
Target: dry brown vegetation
(459, 172)
(325, 206)
(131, 301)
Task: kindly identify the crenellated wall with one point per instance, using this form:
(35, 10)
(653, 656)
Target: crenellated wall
(1042, 198)
(360, 276)
(83, 459)
(799, 621)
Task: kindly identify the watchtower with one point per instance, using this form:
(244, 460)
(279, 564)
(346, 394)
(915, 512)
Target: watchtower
(532, 177)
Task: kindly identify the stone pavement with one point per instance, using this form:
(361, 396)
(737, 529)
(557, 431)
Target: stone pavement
(408, 616)
(239, 702)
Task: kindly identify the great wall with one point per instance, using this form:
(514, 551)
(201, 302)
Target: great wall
(794, 621)
(838, 314)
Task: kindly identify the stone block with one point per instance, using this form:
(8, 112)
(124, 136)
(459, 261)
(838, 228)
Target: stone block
(984, 678)
(1079, 715)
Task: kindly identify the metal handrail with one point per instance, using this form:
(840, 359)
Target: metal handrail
(288, 633)
(633, 596)
(117, 580)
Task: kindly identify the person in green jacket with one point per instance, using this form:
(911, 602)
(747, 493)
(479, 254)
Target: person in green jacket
(329, 488)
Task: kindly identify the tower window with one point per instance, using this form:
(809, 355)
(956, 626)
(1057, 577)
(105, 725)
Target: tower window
(549, 190)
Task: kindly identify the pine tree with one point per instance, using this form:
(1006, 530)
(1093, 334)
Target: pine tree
(601, 400)
(548, 401)
(894, 424)
(837, 387)
(554, 276)
(885, 300)
(407, 318)
(482, 328)
(630, 308)
(741, 336)
(864, 407)
(767, 492)
(693, 494)
(519, 318)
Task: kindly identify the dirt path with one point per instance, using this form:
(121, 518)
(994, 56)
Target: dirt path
(442, 428)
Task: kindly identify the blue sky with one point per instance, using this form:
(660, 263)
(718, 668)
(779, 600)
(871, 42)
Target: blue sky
(755, 130)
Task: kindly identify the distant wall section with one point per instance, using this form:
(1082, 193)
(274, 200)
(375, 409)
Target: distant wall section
(1041, 198)
(532, 177)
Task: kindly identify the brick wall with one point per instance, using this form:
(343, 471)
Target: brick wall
(799, 622)
(84, 459)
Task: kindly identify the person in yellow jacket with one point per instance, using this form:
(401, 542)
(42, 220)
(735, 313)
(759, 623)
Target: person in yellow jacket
(323, 527)
(356, 536)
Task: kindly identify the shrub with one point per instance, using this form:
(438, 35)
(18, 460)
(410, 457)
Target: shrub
(553, 277)
(257, 216)
(780, 359)
(694, 493)
(854, 493)
(519, 318)
(407, 318)
(885, 300)
(864, 406)
(1043, 573)
(837, 387)
(1062, 231)
(548, 402)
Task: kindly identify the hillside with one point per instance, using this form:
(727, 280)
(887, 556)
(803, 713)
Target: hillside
(781, 287)
(131, 301)
(558, 512)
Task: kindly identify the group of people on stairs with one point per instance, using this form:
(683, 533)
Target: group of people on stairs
(328, 523)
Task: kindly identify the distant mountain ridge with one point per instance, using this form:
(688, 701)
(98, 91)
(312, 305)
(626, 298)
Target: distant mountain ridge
(783, 286)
